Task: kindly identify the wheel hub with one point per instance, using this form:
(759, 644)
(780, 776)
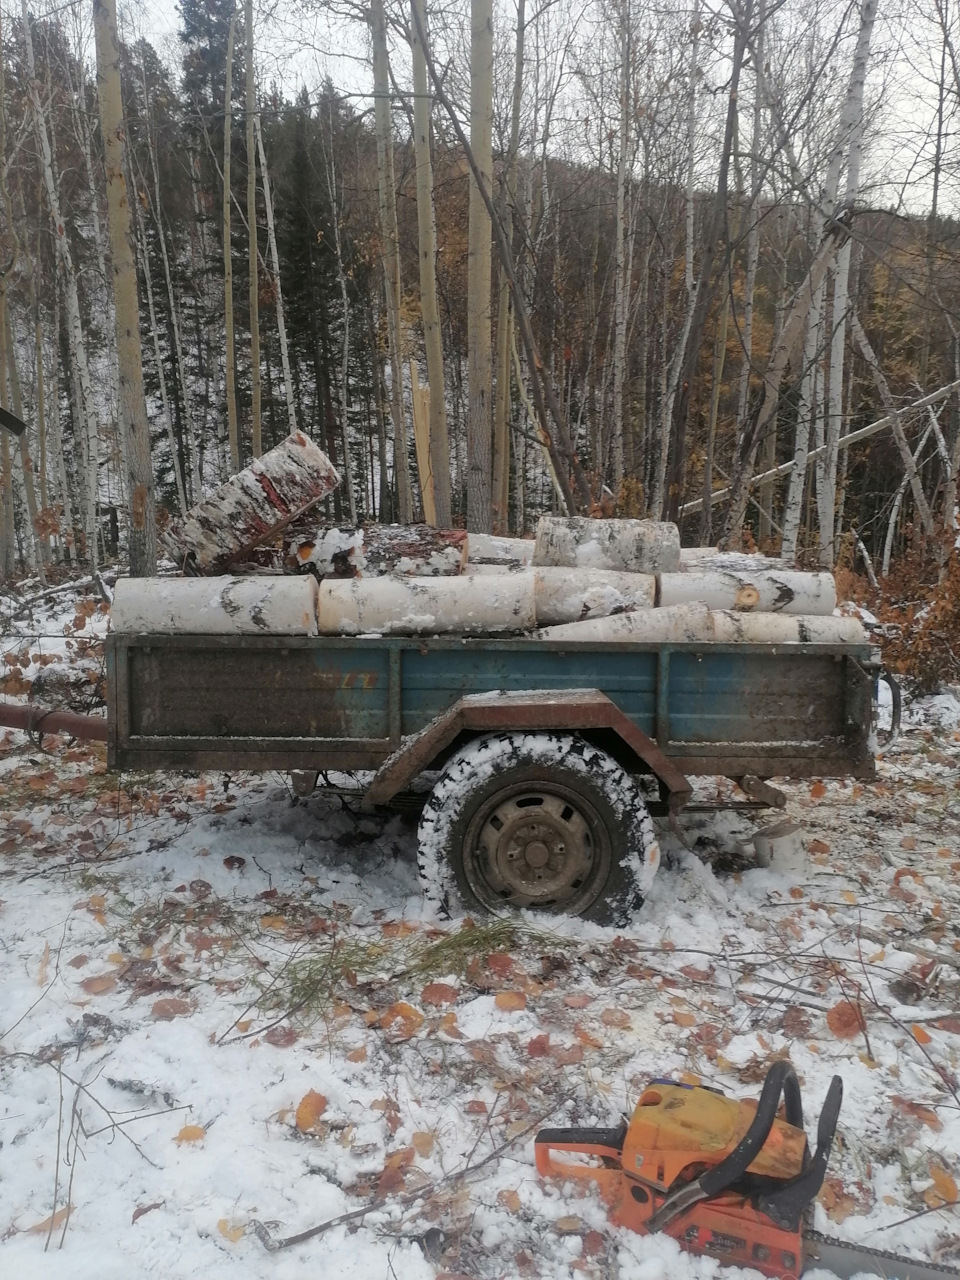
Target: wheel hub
(537, 847)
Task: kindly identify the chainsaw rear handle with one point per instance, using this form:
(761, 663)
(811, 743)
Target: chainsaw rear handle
(605, 1143)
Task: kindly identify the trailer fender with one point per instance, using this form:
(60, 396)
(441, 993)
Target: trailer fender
(522, 710)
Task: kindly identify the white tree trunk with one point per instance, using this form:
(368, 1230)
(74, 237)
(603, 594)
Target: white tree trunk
(632, 546)
(230, 359)
(253, 506)
(254, 256)
(275, 263)
(480, 421)
(572, 595)
(427, 606)
(218, 606)
(621, 273)
(758, 591)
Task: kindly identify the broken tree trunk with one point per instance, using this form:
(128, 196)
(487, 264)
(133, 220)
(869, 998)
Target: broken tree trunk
(252, 506)
(228, 606)
(427, 606)
(411, 550)
(757, 591)
(572, 595)
(632, 546)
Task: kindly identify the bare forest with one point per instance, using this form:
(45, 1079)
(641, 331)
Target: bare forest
(697, 262)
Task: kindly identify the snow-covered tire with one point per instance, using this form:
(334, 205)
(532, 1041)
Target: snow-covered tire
(540, 821)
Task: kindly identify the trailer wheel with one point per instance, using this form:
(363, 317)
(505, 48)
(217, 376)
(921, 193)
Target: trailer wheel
(541, 821)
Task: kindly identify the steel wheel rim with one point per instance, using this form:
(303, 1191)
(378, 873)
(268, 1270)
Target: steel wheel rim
(537, 845)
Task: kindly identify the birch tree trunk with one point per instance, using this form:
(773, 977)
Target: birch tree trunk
(39, 551)
(87, 421)
(500, 498)
(851, 128)
(142, 533)
(254, 282)
(390, 255)
(275, 263)
(426, 222)
(230, 371)
(479, 425)
(621, 274)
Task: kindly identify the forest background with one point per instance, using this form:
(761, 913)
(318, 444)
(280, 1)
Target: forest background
(649, 259)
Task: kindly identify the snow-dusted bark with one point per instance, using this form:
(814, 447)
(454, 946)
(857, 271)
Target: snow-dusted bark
(220, 606)
(427, 606)
(632, 546)
(253, 282)
(751, 591)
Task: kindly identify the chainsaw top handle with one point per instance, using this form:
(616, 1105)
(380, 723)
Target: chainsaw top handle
(781, 1080)
(786, 1204)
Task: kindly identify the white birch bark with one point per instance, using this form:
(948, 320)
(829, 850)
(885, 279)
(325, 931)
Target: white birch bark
(479, 255)
(427, 606)
(230, 352)
(275, 263)
(255, 605)
(621, 275)
(253, 284)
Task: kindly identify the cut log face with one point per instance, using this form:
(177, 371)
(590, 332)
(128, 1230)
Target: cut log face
(630, 546)
(774, 628)
(759, 590)
(780, 847)
(684, 622)
(416, 550)
(573, 595)
(251, 507)
(221, 606)
(427, 606)
(486, 548)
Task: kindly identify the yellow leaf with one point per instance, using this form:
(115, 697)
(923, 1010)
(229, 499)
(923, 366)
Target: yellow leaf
(849, 896)
(190, 1133)
(273, 922)
(510, 1201)
(229, 1232)
(944, 1189)
(422, 1143)
(115, 957)
(358, 1055)
(689, 1078)
(569, 1225)
(311, 1107)
(99, 984)
(245, 1025)
(921, 1036)
(877, 957)
(52, 1222)
(510, 1001)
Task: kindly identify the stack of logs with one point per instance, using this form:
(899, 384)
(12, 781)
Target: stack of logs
(580, 580)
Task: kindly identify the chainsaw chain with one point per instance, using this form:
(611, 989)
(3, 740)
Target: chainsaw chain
(880, 1256)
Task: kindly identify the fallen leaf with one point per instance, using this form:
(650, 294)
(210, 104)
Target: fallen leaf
(358, 1055)
(190, 1133)
(566, 1055)
(409, 1018)
(538, 1047)
(510, 1200)
(796, 892)
(568, 1225)
(423, 1143)
(795, 1022)
(168, 1009)
(476, 1107)
(615, 1018)
(909, 843)
(231, 1233)
(578, 1001)
(398, 929)
(99, 984)
(309, 1110)
(838, 1203)
(78, 961)
(282, 1037)
(848, 896)
(683, 1019)
(926, 1115)
(696, 975)
(141, 1209)
(948, 1024)
(510, 1001)
(920, 1035)
(234, 862)
(845, 1020)
(52, 1222)
(587, 1037)
(817, 790)
(593, 1244)
(44, 962)
(244, 1025)
(201, 888)
(273, 922)
(391, 1178)
(818, 846)
(448, 1025)
(500, 963)
(944, 1189)
(438, 993)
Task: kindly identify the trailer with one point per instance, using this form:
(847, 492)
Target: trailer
(540, 763)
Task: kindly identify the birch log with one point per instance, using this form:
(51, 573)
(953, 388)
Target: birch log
(226, 606)
(427, 606)
(252, 506)
(772, 628)
(631, 546)
(760, 591)
(485, 548)
(411, 550)
(572, 595)
(684, 622)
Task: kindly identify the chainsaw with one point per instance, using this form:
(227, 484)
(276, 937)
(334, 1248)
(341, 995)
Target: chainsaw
(733, 1180)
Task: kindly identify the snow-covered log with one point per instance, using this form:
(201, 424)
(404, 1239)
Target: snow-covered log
(775, 628)
(693, 557)
(681, 623)
(757, 591)
(486, 548)
(217, 606)
(252, 506)
(630, 546)
(414, 550)
(572, 595)
(427, 606)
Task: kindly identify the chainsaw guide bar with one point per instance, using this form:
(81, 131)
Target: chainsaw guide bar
(727, 1179)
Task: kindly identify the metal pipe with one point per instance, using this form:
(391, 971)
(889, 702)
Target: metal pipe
(35, 719)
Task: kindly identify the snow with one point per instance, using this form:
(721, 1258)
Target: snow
(215, 891)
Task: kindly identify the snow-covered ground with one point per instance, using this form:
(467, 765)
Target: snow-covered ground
(224, 1006)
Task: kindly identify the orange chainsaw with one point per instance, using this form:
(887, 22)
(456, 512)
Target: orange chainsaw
(733, 1180)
